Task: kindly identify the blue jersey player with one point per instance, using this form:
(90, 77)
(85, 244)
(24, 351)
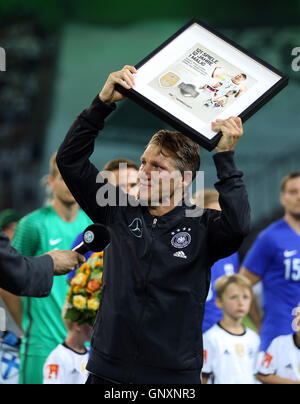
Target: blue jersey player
(226, 266)
(275, 259)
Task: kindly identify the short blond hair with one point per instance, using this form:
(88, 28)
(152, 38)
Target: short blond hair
(184, 151)
(209, 196)
(223, 282)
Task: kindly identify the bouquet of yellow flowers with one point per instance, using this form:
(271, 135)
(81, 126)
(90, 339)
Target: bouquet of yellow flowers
(85, 291)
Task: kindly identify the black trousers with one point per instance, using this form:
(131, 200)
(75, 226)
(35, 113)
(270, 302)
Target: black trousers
(92, 379)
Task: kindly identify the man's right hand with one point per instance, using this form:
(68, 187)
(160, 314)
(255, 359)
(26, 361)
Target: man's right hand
(65, 261)
(123, 77)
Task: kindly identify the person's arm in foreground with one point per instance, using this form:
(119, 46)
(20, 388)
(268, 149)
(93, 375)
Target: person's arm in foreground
(274, 379)
(33, 276)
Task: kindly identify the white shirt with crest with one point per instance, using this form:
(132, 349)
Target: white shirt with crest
(65, 366)
(229, 358)
(282, 359)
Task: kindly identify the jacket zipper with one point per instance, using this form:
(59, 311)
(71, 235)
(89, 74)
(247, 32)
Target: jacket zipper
(154, 223)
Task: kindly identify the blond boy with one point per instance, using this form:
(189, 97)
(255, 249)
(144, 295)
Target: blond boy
(230, 349)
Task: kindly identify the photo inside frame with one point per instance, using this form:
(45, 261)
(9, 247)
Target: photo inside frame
(197, 76)
(203, 83)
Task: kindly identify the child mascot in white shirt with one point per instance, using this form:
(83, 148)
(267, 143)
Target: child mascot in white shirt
(230, 349)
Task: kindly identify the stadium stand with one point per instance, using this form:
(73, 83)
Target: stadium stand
(24, 98)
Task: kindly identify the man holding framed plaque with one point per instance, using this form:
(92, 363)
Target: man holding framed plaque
(157, 266)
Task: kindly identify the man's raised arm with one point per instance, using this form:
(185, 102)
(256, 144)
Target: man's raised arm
(73, 156)
(228, 229)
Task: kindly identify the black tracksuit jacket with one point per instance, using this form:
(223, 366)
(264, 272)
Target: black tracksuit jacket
(24, 276)
(156, 270)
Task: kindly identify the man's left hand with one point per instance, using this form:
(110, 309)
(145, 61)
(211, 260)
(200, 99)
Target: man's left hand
(232, 131)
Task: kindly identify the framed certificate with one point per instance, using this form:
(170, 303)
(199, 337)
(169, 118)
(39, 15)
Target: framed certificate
(198, 76)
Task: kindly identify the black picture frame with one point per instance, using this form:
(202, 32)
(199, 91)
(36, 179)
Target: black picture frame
(266, 81)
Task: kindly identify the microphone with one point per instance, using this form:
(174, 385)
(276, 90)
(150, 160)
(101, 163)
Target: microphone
(95, 238)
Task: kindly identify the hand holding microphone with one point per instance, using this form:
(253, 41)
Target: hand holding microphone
(65, 261)
(95, 238)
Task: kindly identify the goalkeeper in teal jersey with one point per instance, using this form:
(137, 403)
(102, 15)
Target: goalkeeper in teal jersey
(52, 227)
